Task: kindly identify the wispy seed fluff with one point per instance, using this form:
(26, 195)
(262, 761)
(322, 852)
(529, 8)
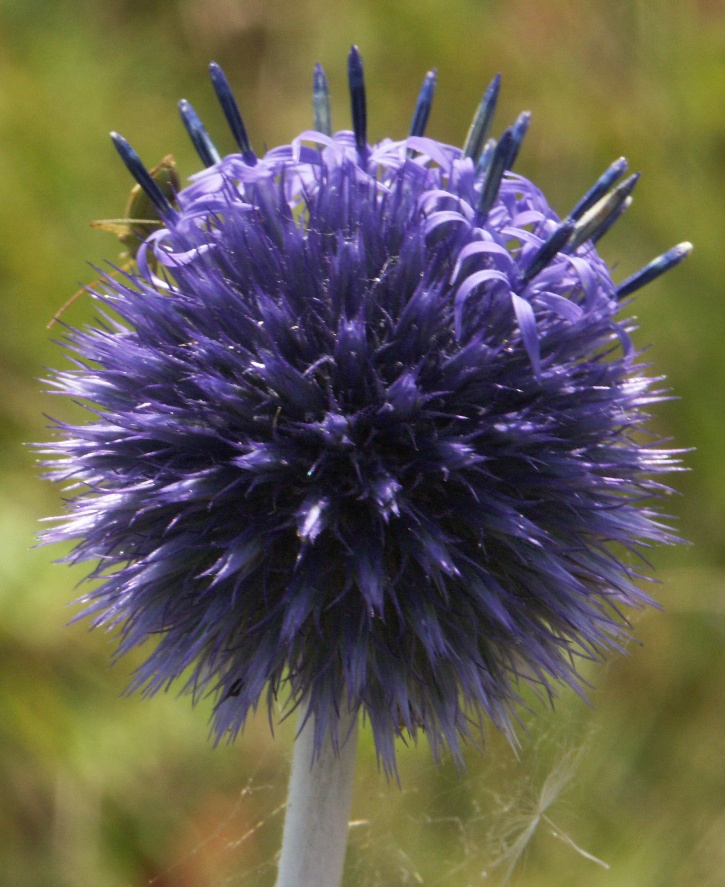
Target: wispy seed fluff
(364, 430)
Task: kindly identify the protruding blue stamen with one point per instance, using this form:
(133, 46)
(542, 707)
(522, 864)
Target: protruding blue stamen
(554, 243)
(232, 113)
(485, 159)
(612, 220)
(520, 128)
(596, 221)
(656, 267)
(321, 113)
(480, 128)
(423, 105)
(494, 174)
(143, 176)
(356, 79)
(197, 133)
(600, 187)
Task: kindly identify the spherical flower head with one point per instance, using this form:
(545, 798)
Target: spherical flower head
(365, 432)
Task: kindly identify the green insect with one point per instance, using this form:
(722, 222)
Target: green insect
(141, 220)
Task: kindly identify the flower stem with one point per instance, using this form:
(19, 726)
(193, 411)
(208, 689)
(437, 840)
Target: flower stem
(318, 807)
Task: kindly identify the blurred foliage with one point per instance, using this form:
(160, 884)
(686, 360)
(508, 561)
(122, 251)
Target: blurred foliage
(104, 790)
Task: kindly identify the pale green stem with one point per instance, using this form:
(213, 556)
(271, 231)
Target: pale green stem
(318, 807)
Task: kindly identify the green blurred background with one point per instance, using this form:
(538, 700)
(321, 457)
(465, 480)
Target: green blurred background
(104, 791)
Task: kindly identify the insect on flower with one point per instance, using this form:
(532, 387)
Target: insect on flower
(364, 426)
(139, 221)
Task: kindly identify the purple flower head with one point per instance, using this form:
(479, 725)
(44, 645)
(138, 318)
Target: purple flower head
(365, 430)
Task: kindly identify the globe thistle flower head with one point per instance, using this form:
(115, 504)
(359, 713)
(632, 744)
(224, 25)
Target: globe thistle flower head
(365, 430)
